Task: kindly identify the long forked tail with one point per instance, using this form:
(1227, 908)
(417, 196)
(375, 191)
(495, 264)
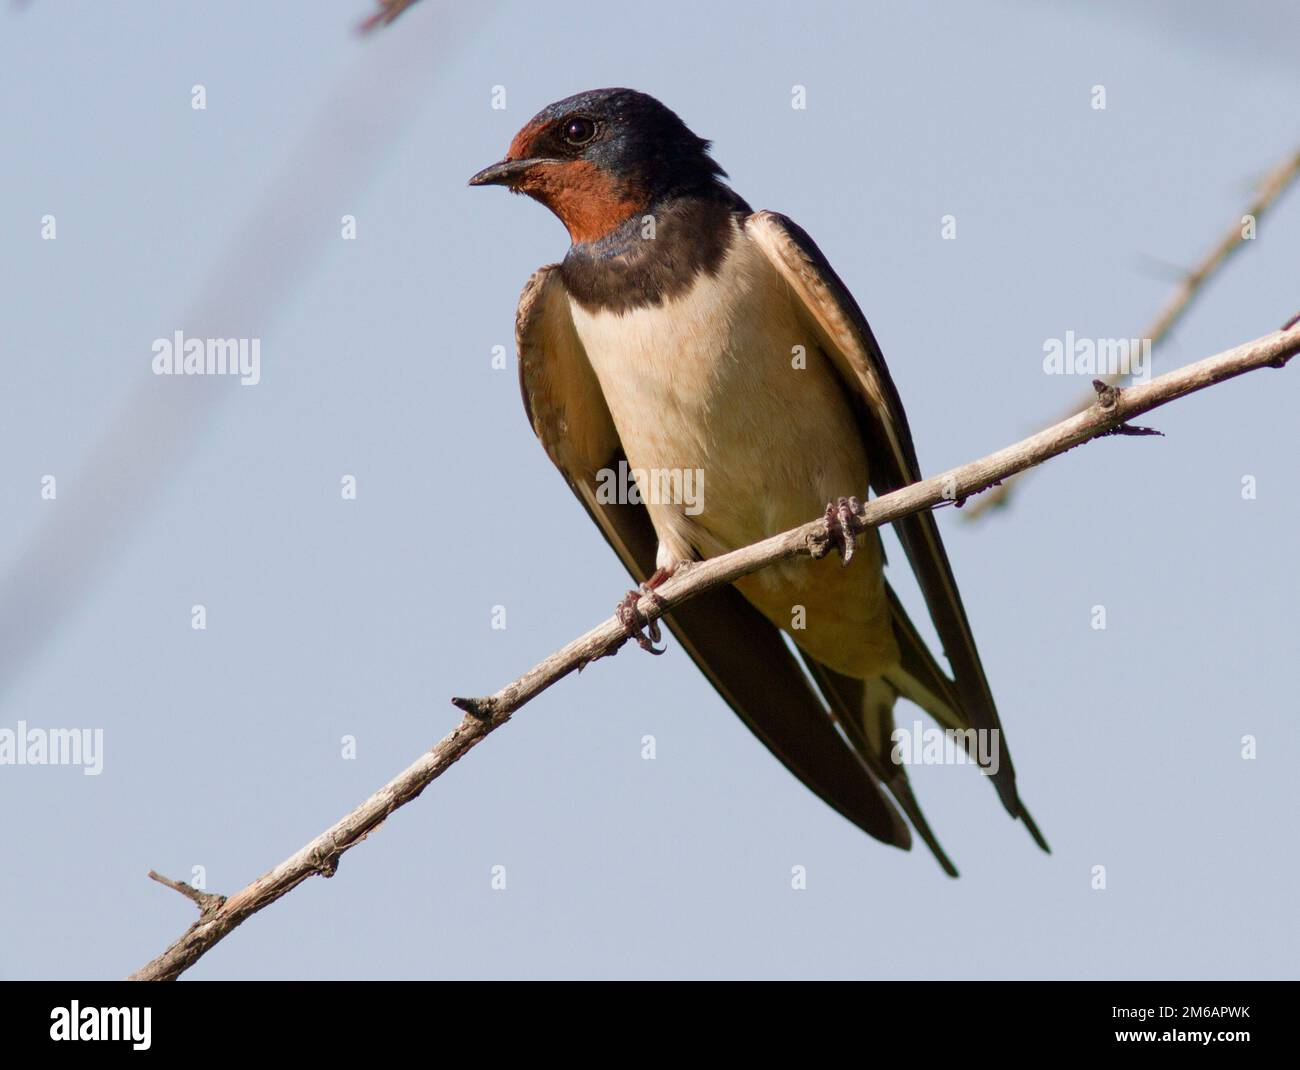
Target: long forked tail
(920, 679)
(864, 710)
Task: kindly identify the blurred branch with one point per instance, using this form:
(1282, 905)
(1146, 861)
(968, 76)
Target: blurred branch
(387, 13)
(1109, 414)
(1273, 185)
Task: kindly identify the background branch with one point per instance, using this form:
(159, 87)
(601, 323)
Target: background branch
(1273, 185)
(1108, 413)
(388, 11)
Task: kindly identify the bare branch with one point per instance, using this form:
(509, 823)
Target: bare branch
(1273, 185)
(1111, 410)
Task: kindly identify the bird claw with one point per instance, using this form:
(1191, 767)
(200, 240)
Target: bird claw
(645, 631)
(839, 527)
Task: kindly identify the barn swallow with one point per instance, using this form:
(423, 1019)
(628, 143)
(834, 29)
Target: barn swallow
(685, 333)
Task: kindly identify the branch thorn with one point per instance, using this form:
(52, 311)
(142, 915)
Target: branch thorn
(207, 902)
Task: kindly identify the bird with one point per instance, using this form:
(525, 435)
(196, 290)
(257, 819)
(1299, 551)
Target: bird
(685, 333)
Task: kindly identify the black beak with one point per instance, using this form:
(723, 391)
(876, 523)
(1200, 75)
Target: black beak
(506, 173)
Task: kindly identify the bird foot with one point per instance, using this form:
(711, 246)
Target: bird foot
(635, 626)
(839, 528)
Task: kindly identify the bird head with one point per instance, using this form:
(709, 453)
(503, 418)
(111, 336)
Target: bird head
(601, 157)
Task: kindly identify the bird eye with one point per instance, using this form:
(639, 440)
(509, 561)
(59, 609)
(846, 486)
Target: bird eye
(579, 131)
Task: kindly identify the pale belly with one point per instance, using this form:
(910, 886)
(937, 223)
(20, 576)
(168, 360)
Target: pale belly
(724, 393)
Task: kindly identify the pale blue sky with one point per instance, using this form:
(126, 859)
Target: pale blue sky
(328, 618)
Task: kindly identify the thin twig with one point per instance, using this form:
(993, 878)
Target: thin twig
(205, 901)
(388, 11)
(1273, 185)
(1112, 409)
